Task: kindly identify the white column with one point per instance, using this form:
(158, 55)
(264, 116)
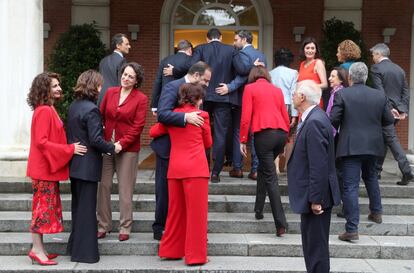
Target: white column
(21, 59)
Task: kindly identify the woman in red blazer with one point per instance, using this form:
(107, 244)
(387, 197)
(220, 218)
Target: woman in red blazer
(186, 228)
(123, 111)
(264, 112)
(47, 163)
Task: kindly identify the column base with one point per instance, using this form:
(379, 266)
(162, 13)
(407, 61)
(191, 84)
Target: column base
(13, 163)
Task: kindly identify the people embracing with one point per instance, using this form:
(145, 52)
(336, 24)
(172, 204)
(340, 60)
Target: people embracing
(47, 164)
(186, 227)
(123, 111)
(84, 124)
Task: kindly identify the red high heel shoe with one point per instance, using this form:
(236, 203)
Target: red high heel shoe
(34, 258)
(52, 256)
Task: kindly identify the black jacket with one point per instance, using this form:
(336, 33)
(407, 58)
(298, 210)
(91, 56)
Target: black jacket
(181, 63)
(84, 125)
(360, 112)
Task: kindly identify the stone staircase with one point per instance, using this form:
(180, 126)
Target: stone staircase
(237, 241)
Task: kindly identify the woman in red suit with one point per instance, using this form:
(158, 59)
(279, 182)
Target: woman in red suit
(186, 228)
(264, 112)
(123, 111)
(47, 163)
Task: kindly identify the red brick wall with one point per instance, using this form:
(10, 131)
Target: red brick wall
(295, 13)
(57, 14)
(376, 16)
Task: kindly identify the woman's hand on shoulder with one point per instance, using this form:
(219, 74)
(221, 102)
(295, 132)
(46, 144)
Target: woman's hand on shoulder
(79, 149)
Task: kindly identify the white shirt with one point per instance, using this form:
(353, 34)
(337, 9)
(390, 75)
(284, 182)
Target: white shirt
(119, 52)
(306, 113)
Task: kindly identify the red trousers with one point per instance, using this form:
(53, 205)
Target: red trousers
(186, 228)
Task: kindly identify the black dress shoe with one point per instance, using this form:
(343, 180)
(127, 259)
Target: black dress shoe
(215, 178)
(258, 215)
(157, 236)
(252, 175)
(236, 173)
(405, 179)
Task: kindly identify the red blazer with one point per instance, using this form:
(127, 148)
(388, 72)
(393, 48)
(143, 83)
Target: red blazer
(49, 152)
(188, 145)
(127, 119)
(263, 107)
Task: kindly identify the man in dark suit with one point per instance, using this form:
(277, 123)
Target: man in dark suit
(246, 58)
(110, 66)
(390, 79)
(198, 73)
(218, 101)
(312, 183)
(360, 112)
(181, 62)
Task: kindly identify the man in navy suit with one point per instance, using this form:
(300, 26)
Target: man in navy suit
(246, 58)
(181, 61)
(110, 66)
(312, 183)
(218, 101)
(360, 112)
(198, 73)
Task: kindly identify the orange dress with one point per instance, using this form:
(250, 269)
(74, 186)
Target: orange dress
(308, 73)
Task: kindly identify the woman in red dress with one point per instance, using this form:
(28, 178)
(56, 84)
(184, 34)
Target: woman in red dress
(186, 228)
(311, 67)
(47, 163)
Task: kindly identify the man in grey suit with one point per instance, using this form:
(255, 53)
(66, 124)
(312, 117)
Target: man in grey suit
(110, 66)
(360, 112)
(389, 78)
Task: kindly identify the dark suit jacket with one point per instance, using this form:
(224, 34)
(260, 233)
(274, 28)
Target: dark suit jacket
(110, 68)
(243, 62)
(84, 125)
(311, 167)
(188, 144)
(220, 58)
(181, 63)
(168, 101)
(390, 78)
(360, 112)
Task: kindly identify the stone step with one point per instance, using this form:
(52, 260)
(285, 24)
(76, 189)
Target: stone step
(229, 186)
(219, 244)
(231, 223)
(222, 264)
(217, 203)
(236, 187)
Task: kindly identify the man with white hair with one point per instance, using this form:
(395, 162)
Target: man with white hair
(360, 112)
(390, 79)
(312, 183)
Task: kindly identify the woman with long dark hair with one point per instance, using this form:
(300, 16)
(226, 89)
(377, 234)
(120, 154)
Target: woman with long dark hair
(47, 163)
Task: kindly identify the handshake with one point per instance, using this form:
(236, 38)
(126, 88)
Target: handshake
(118, 147)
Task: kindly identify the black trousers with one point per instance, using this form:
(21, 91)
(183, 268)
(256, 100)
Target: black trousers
(269, 143)
(315, 240)
(83, 243)
(220, 114)
(391, 140)
(161, 195)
